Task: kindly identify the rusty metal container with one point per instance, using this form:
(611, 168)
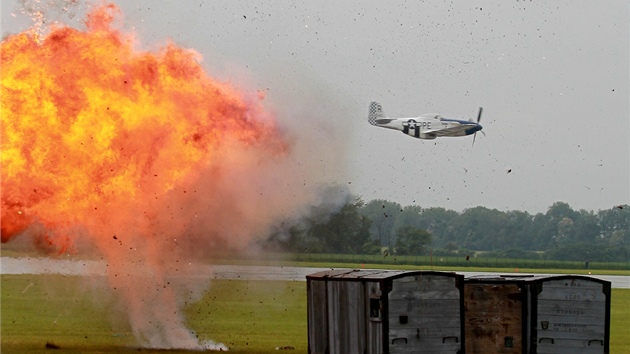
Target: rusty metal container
(536, 314)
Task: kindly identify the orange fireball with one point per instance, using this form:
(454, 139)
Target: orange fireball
(91, 126)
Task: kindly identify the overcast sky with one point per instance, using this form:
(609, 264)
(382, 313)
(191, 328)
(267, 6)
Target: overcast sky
(552, 77)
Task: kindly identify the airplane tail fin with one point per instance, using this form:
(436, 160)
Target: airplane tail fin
(376, 112)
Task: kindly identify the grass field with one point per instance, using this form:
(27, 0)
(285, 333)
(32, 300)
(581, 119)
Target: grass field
(620, 321)
(247, 316)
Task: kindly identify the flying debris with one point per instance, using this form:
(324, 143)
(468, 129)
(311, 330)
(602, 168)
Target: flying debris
(51, 345)
(426, 126)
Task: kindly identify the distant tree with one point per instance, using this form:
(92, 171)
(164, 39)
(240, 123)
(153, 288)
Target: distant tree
(543, 232)
(587, 229)
(345, 231)
(615, 221)
(620, 240)
(560, 210)
(383, 215)
(615, 229)
(410, 215)
(565, 232)
(438, 221)
(519, 230)
(484, 229)
(412, 241)
(372, 247)
(477, 228)
(451, 246)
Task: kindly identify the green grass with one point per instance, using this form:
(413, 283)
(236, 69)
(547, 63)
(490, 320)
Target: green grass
(620, 321)
(253, 315)
(37, 309)
(248, 316)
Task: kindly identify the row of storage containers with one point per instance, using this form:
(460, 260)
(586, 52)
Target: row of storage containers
(388, 312)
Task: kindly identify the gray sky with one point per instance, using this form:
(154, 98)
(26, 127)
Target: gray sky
(552, 77)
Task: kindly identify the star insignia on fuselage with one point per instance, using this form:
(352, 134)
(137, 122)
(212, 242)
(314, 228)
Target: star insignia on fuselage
(411, 124)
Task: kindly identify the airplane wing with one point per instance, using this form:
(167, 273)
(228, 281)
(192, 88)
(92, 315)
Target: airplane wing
(447, 131)
(384, 120)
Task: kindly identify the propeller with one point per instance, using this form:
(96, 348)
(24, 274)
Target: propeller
(478, 120)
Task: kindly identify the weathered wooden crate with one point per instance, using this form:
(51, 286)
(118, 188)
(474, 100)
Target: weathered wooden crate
(536, 314)
(380, 311)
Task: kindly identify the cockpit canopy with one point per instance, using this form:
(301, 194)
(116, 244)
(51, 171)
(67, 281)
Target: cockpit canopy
(432, 115)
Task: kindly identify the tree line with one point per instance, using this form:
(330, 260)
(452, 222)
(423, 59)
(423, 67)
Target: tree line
(381, 226)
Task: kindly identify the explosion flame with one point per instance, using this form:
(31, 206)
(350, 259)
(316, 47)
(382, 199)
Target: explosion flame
(140, 154)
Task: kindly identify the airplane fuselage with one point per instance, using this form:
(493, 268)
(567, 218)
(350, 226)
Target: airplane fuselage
(429, 126)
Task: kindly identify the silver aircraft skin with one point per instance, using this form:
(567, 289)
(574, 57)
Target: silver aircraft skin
(426, 126)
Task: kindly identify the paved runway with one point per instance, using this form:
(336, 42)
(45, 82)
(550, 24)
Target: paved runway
(75, 267)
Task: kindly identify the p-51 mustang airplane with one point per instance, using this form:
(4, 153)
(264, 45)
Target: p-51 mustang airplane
(426, 126)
